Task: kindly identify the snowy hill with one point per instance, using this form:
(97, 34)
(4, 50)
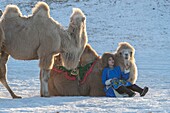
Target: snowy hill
(143, 23)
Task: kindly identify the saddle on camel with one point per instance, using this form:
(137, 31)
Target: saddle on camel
(85, 80)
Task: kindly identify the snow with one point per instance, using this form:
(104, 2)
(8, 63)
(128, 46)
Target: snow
(144, 24)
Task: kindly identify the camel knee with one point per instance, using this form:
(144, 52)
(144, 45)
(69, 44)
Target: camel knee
(2, 71)
(4, 58)
(1, 77)
(45, 75)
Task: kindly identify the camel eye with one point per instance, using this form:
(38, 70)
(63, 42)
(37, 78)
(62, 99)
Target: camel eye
(120, 53)
(131, 54)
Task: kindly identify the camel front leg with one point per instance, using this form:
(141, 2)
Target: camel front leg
(44, 76)
(46, 64)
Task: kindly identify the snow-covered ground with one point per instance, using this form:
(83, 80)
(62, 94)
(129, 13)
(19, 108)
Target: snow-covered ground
(143, 23)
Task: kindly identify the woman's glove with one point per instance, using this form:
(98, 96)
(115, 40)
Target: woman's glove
(108, 82)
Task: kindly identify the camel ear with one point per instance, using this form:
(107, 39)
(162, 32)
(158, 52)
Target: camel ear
(72, 21)
(83, 19)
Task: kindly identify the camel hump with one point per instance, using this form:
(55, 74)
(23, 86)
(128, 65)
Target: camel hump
(41, 9)
(12, 11)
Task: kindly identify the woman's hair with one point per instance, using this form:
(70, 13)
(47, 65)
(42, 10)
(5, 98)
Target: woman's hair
(105, 58)
(108, 60)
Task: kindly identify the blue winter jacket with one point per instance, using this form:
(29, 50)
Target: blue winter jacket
(109, 73)
(113, 73)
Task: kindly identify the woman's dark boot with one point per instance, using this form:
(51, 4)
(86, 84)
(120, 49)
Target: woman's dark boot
(136, 88)
(123, 89)
(145, 90)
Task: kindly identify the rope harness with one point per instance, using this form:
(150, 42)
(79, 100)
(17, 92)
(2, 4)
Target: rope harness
(81, 72)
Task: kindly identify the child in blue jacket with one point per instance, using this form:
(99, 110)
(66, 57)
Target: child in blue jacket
(114, 79)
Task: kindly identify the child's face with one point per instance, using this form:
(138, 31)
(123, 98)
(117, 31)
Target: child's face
(111, 62)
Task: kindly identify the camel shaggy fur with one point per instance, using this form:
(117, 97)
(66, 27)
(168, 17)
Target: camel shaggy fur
(39, 36)
(61, 86)
(124, 57)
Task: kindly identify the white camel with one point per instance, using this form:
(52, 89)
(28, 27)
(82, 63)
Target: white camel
(39, 36)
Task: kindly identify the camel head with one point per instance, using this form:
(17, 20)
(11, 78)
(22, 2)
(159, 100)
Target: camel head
(125, 51)
(77, 27)
(76, 46)
(58, 60)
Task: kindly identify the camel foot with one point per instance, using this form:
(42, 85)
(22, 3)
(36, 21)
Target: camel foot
(16, 97)
(47, 95)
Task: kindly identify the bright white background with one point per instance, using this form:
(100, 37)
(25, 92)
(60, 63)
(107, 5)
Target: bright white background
(145, 24)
